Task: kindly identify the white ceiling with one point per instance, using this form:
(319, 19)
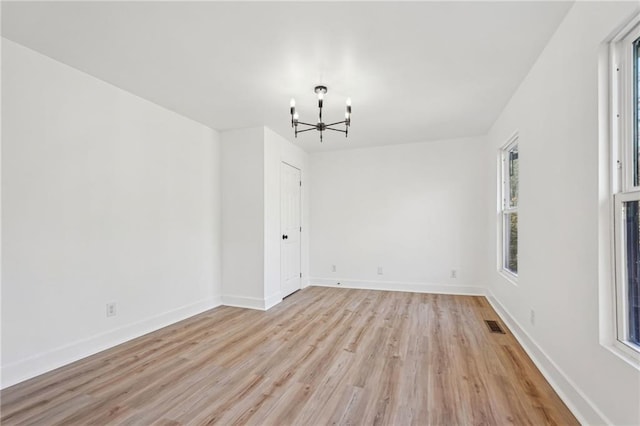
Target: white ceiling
(415, 71)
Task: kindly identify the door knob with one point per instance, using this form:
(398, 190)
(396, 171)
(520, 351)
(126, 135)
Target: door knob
(284, 237)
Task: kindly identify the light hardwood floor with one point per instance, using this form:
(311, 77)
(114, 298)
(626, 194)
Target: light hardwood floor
(322, 356)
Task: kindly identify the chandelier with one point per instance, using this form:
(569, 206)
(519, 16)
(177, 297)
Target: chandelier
(321, 126)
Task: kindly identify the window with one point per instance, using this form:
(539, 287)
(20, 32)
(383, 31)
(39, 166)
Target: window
(509, 209)
(626, 187)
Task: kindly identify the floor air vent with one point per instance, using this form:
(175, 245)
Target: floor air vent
(494, 326)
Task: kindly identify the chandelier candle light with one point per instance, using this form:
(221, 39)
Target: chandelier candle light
(321, 126)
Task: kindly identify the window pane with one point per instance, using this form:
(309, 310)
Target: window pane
(636, 111)
(632, 230)
(511, 242)
(513, 177)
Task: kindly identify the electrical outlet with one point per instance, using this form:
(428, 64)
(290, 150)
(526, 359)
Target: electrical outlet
(532, 317)
(111, 309)
(454, 273)
(333, 268)
(379, 270)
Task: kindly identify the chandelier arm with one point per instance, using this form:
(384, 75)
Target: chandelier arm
(337, 122)
(306, 130)
(307, 124)
(336, 130)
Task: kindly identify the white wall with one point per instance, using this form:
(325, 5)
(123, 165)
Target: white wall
(555, 111)
(251, 215)
(243, 217)
(105, 198)
(412, 209)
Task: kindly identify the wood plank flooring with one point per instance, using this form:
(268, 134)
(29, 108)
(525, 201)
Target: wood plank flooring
(322, 356)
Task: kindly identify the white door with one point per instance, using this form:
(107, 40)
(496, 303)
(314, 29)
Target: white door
(290, 229)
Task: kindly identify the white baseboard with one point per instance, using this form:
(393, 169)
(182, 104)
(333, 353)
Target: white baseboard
(243, 302)
(399, 286)
(272, 301)
(251, 302)
(580, 405)
(41, 363)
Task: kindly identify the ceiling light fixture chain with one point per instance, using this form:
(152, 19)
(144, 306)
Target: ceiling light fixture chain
(321, 126)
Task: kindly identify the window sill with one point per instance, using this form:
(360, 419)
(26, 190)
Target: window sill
(624, 352)
(509, 276)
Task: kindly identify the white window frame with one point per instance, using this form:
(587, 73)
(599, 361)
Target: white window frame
(623, 188)
(505, 207)
(621, 308)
